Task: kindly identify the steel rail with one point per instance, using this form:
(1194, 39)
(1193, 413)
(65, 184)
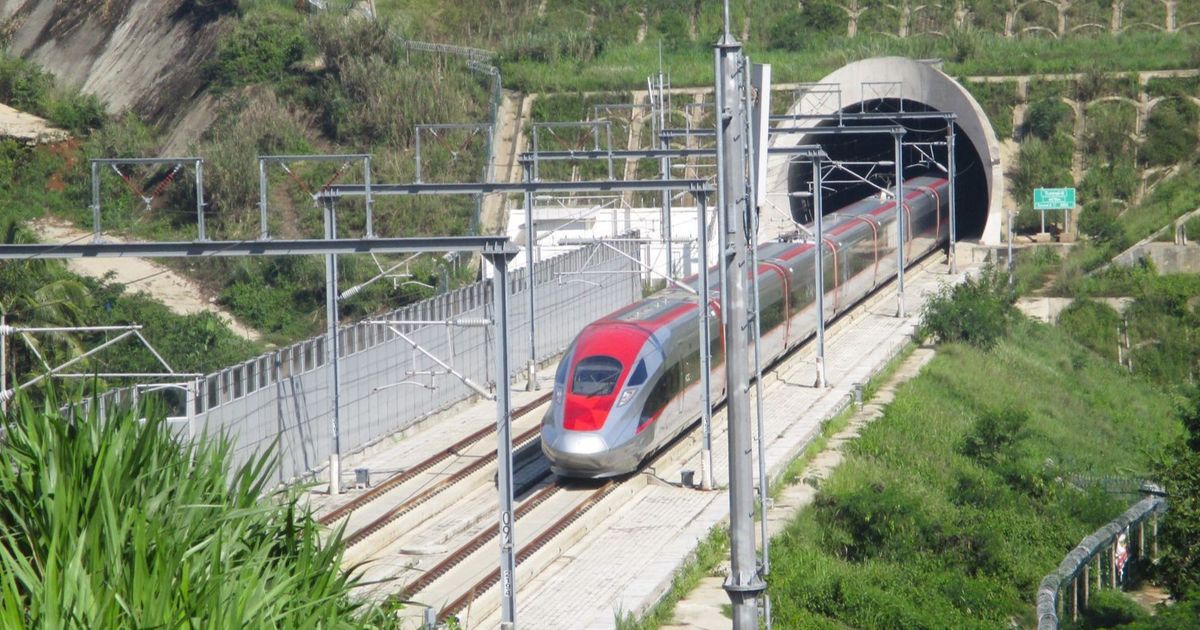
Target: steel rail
(543, 539)
(475, 544)
(364, 532)
(407, 475)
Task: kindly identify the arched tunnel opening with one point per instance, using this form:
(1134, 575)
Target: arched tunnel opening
(924, 153)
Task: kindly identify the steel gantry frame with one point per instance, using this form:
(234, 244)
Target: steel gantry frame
(528, 189)
(178, 162)
(284, 160)
(949, 118)
(496, 249)
(504, 413)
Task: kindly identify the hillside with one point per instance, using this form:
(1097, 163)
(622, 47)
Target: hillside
(232, 79)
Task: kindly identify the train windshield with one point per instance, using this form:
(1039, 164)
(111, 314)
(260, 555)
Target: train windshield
(596, 376)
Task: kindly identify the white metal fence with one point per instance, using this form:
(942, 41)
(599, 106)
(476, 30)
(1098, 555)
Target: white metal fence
(386, 385)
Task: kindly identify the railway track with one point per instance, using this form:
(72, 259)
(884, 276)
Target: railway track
(550, 519)
(377, 514)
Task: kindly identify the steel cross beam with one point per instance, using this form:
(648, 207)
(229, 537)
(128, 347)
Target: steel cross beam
(822, 131)
(805, 151)
(535, 187)
(867, 116)
(488, 245)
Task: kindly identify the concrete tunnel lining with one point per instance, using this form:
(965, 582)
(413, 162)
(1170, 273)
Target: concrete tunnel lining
(920, 83)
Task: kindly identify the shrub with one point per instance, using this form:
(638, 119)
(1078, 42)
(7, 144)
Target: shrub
(1046, 115)
(802, 29)
(1180, 476)
(1099, 222)
(673, 27)
(1170, 133)
(260, 48)
(1111, 609)
(1093, 324)
(995, 436)
(977, 311)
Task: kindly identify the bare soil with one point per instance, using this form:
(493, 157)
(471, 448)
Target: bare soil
(179, 293)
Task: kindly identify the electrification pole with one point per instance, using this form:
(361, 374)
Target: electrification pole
(744, 584)
(530, 238)
(331, 347)
(664, 165)
(953, 184)
(705, 293)
(819, 271)
(901, 228)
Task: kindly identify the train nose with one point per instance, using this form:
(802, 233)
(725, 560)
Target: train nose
(575, 454)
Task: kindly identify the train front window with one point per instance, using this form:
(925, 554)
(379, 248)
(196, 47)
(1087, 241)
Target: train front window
(596, 376)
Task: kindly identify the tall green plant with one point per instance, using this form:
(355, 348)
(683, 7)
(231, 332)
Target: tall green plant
(116, 523)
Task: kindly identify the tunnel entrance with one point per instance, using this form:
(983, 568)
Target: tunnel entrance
(922, 159)
(883, 86)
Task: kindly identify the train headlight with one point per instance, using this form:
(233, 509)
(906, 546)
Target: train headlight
(626, 396)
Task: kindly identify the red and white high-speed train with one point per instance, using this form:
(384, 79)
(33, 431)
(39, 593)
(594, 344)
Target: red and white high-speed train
(630, 382)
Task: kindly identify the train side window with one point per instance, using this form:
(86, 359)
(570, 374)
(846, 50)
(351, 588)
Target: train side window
(596, 376)
(691, 367)
(664, 390)
(639, 375)
(716, 348)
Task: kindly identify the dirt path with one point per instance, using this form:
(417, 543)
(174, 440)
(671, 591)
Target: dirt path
(177, 292)
(512, 119)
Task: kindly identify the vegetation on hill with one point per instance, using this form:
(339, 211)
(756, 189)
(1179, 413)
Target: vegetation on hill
(117, 524)
(952, 506)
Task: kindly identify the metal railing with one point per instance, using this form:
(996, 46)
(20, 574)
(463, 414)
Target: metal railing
(1102, 548)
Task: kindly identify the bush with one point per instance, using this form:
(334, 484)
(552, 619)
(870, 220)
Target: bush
(804, 29)
(1045, 117)
(1093, 324)
(260, 48)
(977, 311)
(1180, 476)
(1170, 133)
(1111, 609)
(1099, 222)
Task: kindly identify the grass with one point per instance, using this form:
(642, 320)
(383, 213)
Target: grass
(916, 529)
(973, 53)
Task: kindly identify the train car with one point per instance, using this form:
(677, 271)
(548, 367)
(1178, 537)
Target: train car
(630, 381)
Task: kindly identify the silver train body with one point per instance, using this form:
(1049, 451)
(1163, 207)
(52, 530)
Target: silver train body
(630, 381)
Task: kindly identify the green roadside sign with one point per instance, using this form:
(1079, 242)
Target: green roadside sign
(1053, 199)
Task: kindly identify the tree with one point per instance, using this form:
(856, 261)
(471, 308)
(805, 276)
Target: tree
(37, 293)
(1180, 477)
